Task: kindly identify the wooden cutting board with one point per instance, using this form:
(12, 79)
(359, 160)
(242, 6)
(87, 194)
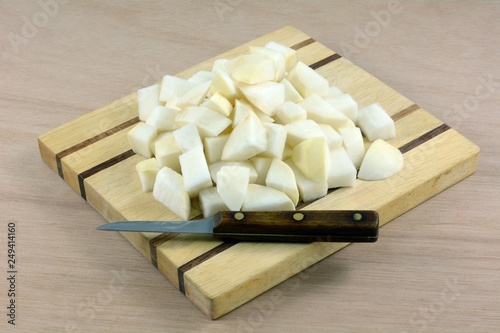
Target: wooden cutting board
(92, 155)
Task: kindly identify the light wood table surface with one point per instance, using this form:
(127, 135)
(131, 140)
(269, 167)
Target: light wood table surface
(434, 269)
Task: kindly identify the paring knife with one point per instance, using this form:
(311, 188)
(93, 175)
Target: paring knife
(302, 226)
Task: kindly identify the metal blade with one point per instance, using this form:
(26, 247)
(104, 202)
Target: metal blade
(203, 226)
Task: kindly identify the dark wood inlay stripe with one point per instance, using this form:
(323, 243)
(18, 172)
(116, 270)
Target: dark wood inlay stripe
(424, 138)
(155, 242)
(325, 61)
(104, 165)
(90, 141)
(198, 260)
(403, 113)
(303, 43)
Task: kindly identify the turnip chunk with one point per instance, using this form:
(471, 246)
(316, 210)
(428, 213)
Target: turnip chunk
(163, 118)
(208, 121)
(263, 198)
(241, 111)
(170, 191)
(187, 137)
(247, 139)
(281, 177)
(194, 96)
(232, 184)
(214, 146)
(218, 103)
(353, 144)
(375, 123)
(140, 138)
(309, 190)
(333, 138)
(173, 86)
(342, 172)
(215, 168)
(278, 58)
(345, 104)
(167, 152)
(291, 94)
(382, 160)
(301, 130)
(261, 165)
(289, 112)
(307, 81)
(223, 84)
(266, 96)
(253, 72)
(147, 171)
(312, 158)
(195, 171)
(211, 202)
(201, 76)
(289, 53)
(276, 138)
(147, 100)
(323, 112)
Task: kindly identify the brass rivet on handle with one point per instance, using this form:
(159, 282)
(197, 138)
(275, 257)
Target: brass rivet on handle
(298, 216)
(239, 216)
(357, 216)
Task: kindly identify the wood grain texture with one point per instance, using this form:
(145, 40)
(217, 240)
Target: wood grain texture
(432, 164)
(434, 268)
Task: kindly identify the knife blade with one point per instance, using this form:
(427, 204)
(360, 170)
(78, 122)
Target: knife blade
(302, 226)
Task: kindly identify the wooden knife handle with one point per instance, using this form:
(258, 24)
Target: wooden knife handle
(298, 226)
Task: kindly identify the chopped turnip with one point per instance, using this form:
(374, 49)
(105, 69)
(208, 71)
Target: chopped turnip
(307, 81)
(246, 140)
(140, 138)
(264, 127)
(232, 184)
(147, 171)
(213, 147)
(261, 165)
(211, 202)
(342, 172)
(167, 152)
(253, 72)
(309, 190)
(301, 130)
(194, 96)
(265, 198)
(281, 177)
(218, 103)
(147, 100)
(195, 171)
(173, 86)
(266, 96)
(170, 191)
(208, 121)
(382, 160)
(289, 53)
(375, 123)
(276, 139)
(163, 118)
(353, 144)
(323, 112)
(333, 138)
(312, 158)
(215, 168)
(187, 137)
(345, 104)
(223, 84)
(291, 94)
(289, 112)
